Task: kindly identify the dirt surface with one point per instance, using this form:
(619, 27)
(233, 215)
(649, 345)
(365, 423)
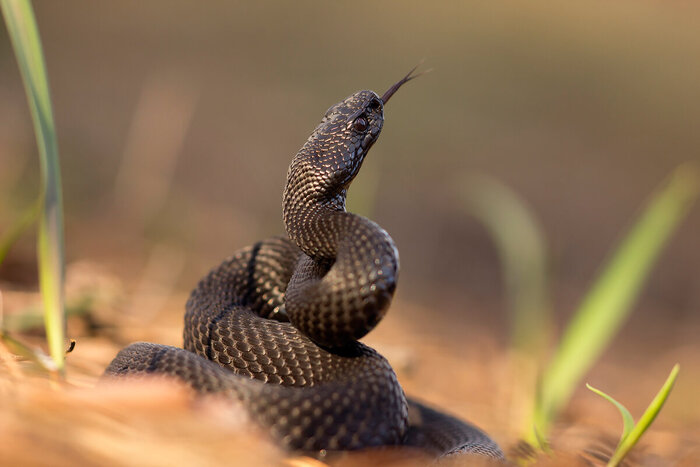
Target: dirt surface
(460, 368)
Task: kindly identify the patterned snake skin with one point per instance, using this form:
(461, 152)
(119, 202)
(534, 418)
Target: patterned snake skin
(275, 327)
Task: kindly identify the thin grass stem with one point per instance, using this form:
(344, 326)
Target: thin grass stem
(21, 24)
(629, 441)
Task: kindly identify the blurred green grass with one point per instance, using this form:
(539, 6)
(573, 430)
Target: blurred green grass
(611, 299)
(21, 24)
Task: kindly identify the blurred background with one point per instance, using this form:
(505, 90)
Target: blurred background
(177, 121)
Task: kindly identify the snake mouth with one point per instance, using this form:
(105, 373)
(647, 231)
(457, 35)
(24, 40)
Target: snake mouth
(367, 142)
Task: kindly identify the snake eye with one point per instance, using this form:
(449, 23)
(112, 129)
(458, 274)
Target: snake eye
(360, 124)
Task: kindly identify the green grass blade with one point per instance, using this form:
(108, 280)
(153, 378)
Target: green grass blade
(627, 420)
(610, 300)
(646, 420)
(21, 24)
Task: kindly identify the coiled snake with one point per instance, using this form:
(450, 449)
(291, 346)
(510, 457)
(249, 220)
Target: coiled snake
(276, 325)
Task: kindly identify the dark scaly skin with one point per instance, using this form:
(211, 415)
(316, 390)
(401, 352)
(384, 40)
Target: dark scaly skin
(336, 305)
(276, 325)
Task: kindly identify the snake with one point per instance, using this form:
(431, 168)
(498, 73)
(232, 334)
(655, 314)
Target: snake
(275, 327)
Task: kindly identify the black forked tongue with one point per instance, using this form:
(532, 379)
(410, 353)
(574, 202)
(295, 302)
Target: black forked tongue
(390, 92)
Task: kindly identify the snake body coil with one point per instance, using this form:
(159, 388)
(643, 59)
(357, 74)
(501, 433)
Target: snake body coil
(276, 325)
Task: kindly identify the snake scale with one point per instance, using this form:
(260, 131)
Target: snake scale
(276, 326)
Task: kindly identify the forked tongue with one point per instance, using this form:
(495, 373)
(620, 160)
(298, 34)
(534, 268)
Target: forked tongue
(390, 92)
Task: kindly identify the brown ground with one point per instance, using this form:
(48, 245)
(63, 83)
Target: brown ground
(176, 123)
(460, 368)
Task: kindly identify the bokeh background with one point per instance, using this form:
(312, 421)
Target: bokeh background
(177, 121)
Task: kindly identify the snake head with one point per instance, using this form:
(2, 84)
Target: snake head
(322, 170)
(333, 154)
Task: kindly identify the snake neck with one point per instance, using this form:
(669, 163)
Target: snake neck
(312, 215)
(322, 170)
(320, 225)
(316, 230)
(349, 271)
